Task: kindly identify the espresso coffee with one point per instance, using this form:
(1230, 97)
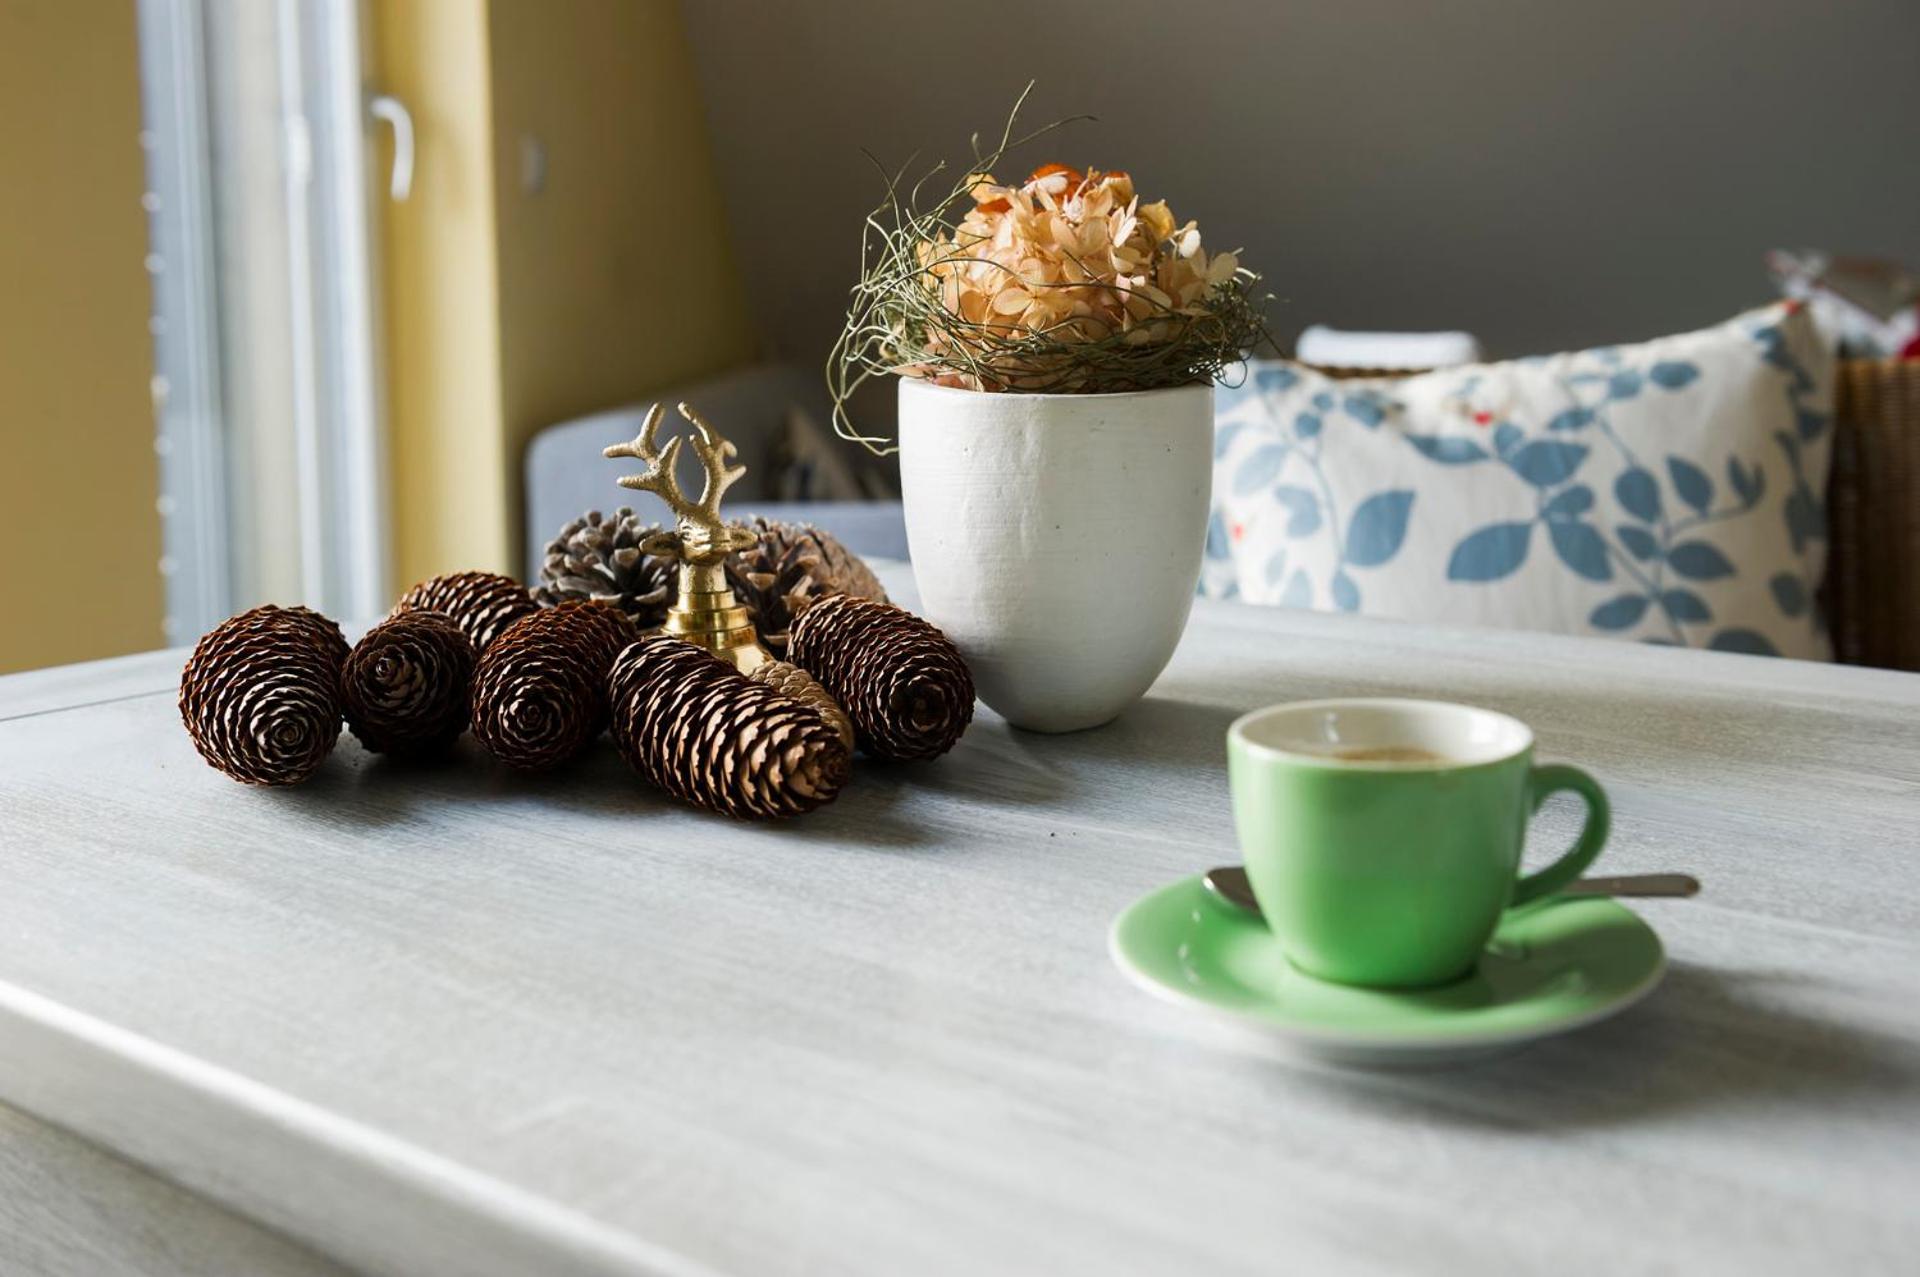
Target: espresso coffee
(1386, 754)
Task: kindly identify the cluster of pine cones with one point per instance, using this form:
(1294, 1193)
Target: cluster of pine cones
(787, 568)
(538, 676)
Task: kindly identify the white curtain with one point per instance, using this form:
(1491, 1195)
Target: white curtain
(272, 462)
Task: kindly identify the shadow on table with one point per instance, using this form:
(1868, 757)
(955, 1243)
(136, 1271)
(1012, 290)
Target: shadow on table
(1169, 741)
(1708, 1039)
(868, 811)
(359, 786)
(358, 792)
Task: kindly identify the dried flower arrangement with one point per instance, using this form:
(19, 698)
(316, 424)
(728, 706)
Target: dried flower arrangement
(1064, 283)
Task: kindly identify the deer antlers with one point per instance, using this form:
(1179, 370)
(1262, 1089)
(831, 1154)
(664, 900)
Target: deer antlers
(708, 445)
(703, 537)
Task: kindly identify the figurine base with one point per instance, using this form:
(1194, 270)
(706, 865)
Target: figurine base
(715, 622)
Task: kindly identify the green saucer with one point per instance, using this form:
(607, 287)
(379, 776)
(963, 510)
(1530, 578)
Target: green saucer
(1549, 969)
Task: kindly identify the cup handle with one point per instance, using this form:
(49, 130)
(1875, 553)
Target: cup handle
(1551, 779)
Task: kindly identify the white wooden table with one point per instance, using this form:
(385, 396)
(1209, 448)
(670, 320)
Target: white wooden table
(69, 1210)
(460, 1021)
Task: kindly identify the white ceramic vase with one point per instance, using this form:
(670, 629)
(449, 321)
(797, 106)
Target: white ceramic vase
(1057, 538)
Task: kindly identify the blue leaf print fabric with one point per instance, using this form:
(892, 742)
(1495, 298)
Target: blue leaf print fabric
(1582, 548)
(1453, 452)
(1668, 492)
(1379, 526)
(1619, 613)
(1639, 492)
(1546, 463)
(1491, 553)
(1691, 483)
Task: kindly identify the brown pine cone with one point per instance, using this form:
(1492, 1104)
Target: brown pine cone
(902, 682)
(260, 696)
(790, 566)
(598, 557)
(540, 689)
(323, 631)
(796, 683)
(482, 604)
(710, 736)
(600, 625)
(408, 684)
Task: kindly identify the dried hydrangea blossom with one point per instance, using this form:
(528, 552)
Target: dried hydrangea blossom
(1067, 283)
(1075, 257)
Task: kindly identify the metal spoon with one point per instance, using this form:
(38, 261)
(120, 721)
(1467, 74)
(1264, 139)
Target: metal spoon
(1229, 882)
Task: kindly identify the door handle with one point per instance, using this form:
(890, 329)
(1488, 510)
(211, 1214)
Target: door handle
(386, 107)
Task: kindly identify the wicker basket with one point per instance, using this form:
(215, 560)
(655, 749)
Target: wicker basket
(1872, 592)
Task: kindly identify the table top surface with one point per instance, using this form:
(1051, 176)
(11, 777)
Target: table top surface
(427, 1018)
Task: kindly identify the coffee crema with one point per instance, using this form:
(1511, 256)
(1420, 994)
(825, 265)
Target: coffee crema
(1385, 754)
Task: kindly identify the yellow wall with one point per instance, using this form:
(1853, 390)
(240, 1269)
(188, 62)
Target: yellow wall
(615, 276)
(512, 308)
(442, 316)
(79, 574)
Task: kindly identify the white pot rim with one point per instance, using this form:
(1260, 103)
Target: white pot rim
(921, 386)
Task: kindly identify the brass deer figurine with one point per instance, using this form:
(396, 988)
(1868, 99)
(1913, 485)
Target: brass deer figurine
(704, 610)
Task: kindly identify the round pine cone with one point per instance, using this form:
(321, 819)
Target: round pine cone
(540, 689)
(482, 604)
(407, 685)
(323, 631)
(790, 566)
(794, 682)
(596, 557)
(711, 736)
(903, 683)
(260, 696)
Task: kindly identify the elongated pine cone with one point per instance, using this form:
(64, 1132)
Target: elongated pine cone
(540, 689)
(260, 696)
(482, 604)
(901, 681)
(711, 736)
(787, 569)
(598, 557)
(407, 685)
(792, 681)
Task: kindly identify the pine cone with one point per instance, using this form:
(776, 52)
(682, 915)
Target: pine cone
(710, 736)
(795, 683)
(596, 557)
(903, 683)
(408, 684)
(260, 696)
(790, 566)
(322, 630)
(540, 689)
(600, 627)
(482, 604)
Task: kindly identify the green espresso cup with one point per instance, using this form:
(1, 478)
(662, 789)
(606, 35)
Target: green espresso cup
(1383, 837)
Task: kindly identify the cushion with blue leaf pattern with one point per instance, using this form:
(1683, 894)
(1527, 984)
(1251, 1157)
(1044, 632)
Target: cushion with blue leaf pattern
(1671, 492)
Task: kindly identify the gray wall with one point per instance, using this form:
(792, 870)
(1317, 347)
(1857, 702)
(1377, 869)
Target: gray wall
(1546, 174)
